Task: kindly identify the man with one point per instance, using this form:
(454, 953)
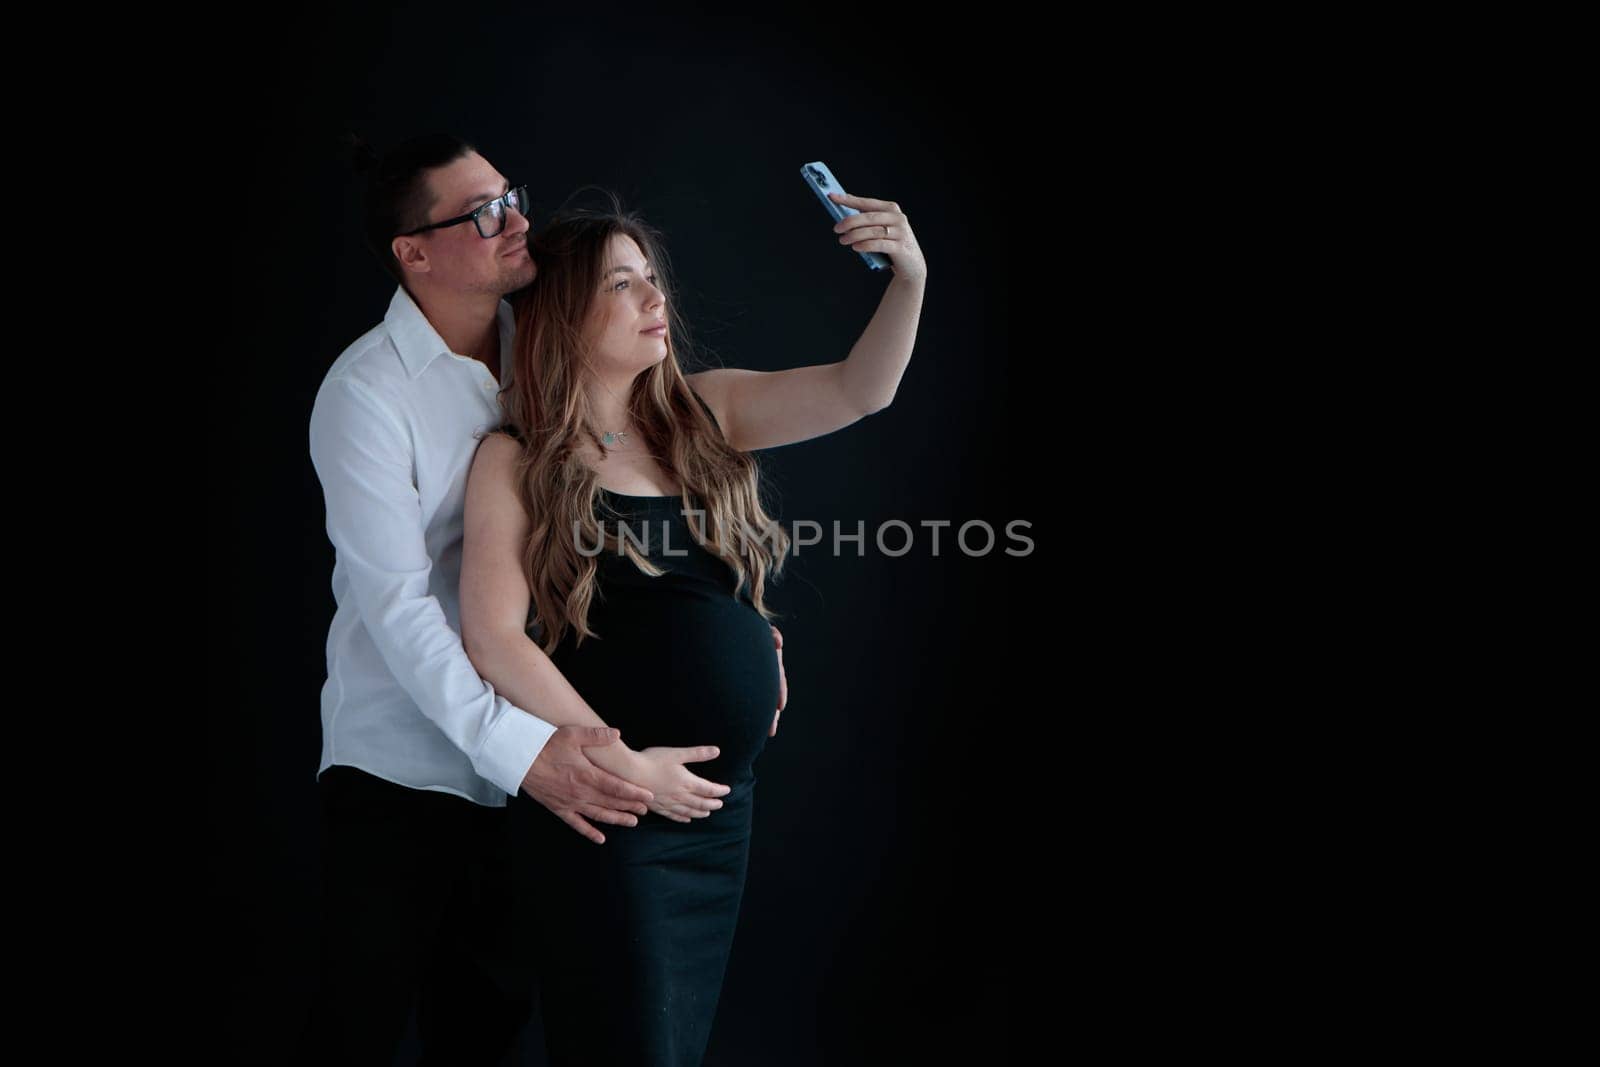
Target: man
(419, 754)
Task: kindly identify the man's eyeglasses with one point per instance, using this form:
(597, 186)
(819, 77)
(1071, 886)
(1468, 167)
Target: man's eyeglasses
(490, 218)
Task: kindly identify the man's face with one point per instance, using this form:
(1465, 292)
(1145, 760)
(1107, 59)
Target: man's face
(457, 257)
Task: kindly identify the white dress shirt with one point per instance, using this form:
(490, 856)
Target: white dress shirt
(392, 438)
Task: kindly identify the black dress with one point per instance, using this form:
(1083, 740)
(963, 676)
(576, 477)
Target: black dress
(633, 936)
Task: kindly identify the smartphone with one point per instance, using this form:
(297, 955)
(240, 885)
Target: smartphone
(822, 182)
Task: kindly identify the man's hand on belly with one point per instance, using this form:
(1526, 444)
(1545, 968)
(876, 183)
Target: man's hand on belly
(564, 779)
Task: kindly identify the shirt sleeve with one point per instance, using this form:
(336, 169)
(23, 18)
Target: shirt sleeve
(363, 457)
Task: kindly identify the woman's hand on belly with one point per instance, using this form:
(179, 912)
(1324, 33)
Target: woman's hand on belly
(783, 682)
(680, 794)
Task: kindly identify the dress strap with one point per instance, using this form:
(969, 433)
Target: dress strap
(709, 412)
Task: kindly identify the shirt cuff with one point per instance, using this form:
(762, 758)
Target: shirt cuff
(511, 748)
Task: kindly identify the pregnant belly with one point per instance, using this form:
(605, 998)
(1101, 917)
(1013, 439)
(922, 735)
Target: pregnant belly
(680, 667)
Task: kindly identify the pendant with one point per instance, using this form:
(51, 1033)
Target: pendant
(612, 438)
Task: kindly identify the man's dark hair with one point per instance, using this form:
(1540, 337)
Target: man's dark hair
(397, 192)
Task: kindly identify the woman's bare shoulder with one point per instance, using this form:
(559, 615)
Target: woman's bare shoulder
(496, 458)
(711, 387)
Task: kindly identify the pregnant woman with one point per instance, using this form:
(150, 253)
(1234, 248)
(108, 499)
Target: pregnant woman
(615, 538)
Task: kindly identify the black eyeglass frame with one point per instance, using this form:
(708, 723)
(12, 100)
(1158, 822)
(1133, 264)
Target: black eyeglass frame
(518, 191)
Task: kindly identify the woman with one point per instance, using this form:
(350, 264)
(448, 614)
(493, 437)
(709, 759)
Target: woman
(663, 631)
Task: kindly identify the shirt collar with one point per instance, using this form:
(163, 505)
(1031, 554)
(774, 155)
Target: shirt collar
(419, 342)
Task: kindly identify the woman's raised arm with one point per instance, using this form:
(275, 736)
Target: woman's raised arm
(765, 409)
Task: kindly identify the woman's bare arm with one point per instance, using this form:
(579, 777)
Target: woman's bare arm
(494, 612)
(765, 409)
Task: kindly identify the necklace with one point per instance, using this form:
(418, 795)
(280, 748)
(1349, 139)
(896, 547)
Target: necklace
(614, 437)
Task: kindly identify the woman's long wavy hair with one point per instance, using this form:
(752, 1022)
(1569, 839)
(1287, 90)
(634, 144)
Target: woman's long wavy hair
(547, 411)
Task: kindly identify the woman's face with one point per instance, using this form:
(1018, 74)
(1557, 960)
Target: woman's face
(627, 321)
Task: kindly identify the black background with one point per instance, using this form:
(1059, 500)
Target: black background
(904, 873)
